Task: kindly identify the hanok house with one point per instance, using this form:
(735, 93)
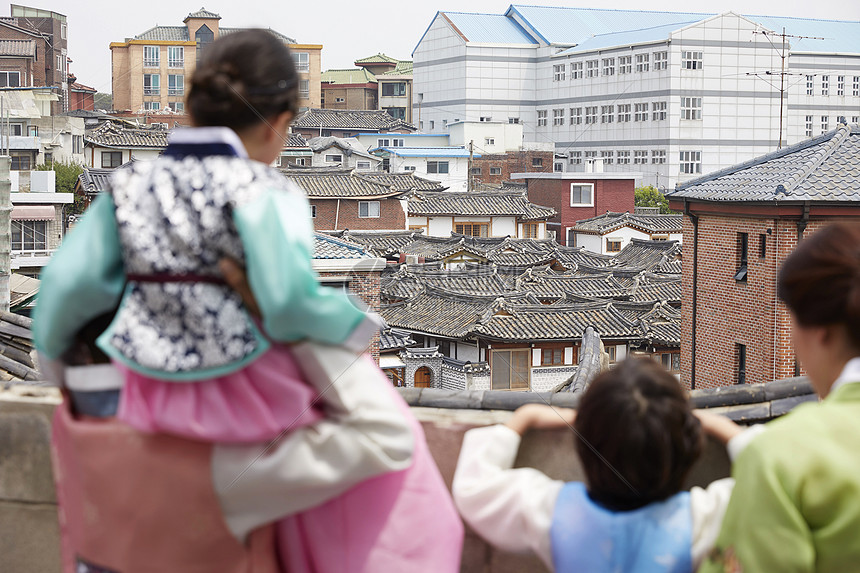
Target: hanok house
(740, 223)
(342, 152)
(609, 233)
(478, 214)
(348, 199)
(112, 143)
(347, 123)
(296, 152)
(578, 196)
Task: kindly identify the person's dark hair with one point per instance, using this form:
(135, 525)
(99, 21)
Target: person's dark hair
(635, 420)
(820, 281)
(241, 79)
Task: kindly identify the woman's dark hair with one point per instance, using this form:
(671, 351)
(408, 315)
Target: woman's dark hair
(820, 281)
(241, 79)
(635, 420)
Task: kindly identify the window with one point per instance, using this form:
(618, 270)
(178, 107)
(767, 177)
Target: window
(591, 114)
(855, 119)
(855, 90)
(29, 235)
(177, 106)
(625, 64)
(16, 129)
(661, 61)
(558, 167)
(339, 100)
(10, 79)
(809, 87)
(742, 254)
(590, 155)
(472, 229)
(613, 245)
(641, 62)
(840, 85)
(151, 84)
(151, 106)
(825, 85)
(437, 167)
(808, 126)
(640, 157)
(575, 115)
(175, 85)
(63, 31)
(20, 163)
(658, 156)
(608, 157)
(691, 60)
(409, 168)
(623, 157)
(394, 89)
(607, 113)
(624, 113)
(558, 117)
(334, 158)
(691, 162)
(691, 108)
(558, 74)
(302, 60)
(581, 194)
(530, 230)
(400, 113)
(111, 159)
(541, 117)
(513, 120)
(489, 141)
(762, 246)
(304, 88)
(495, 170)
(825, 123)
(658, 110)
(362, 165)
(203, 37)
(608, 66)
(741, 360)
(640, 112)
(510, 369)
(368, 209)
(77, 144)
(552, 357)
(574, 158)
(176, 57)
(485, 119)
(576, 70)
(592, 68)
(396, 142)
(151, 56)
(611, 351)
(475, 171)
(537, 161)
(432, 125)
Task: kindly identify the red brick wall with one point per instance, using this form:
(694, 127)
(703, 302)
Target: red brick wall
(391, 215)
(81, 100)
(609, 195)
(365, 286)
(512, 162)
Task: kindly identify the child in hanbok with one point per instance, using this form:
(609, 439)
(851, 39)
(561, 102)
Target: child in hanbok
(310, 434)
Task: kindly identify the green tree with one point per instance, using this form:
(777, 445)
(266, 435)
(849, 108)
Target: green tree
(67, 179)
(103, 101)
(650, 196)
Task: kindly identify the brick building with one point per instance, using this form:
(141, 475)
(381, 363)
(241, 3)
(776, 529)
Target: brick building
(496, 168)
(578, 196)
(81, 97)
(349, 89)
(740, 223)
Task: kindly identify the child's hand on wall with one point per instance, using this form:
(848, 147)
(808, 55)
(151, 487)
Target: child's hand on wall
(540, 416)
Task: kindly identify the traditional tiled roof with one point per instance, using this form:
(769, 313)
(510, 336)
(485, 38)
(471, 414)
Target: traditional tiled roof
(352, 76)
(349, 145)
(296, 140)
(403, 181)
(394, 339)
(180, 34)
(822, 168)
(94, 181)
(379, 58)
(365, 120)
(477, 203)
(380, 243)
(109, 134)
(203, 13)
(18, 48)
(646, 255)
(76, 87)
(285, 39)
(403, 68)
(338, 184)
(610, 221)
(327, 247)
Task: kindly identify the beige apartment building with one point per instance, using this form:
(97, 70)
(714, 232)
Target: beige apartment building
(150, 71)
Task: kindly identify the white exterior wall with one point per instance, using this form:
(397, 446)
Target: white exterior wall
(800, 104)
(455, 180)
(593, 243)
(505, 136)
(370, 140)
(503, 226)
(440, 226)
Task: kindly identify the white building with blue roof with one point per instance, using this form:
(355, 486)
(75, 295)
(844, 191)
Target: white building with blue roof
(669, 94)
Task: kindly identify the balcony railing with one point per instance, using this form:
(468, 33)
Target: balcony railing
(151, 91)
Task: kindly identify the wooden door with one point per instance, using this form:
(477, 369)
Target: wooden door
(423, 378)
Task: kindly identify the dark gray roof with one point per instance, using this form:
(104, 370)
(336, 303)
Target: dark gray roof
(610, 221)
(327, 247)
(478, 203)
(338, 184)
(296, 140)
(403, 181)
(394, 339)
(111, 134)
(203, 13)
(94, 181)
(349, 145)
(381, 243)
(824, 168)
(18, 48)
(648, 255)
(180, 34)
(365, 120)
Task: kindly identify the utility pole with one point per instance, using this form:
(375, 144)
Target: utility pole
(471, 157)
(783, 54)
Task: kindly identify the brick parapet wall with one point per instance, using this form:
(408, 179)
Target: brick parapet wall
(511, 162)
(365, 286)
(330, 217)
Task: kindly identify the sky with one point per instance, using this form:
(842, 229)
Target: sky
(348, 30)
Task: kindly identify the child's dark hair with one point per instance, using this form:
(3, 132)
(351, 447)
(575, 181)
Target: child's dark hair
(242, 78)
(639, 421)
(820, 281)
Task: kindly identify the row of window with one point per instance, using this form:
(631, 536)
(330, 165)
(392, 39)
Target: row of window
(366, 210)
(840, 85)
(825, 123)
(154, 106)
(690, 161)
(640, 63)
(152, 84)
(691, 108)
(479, 171)
(152, 56)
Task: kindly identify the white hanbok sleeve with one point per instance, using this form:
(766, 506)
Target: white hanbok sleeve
(511, 508)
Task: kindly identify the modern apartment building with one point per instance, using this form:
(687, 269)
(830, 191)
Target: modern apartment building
(149, 71)
(670, 95)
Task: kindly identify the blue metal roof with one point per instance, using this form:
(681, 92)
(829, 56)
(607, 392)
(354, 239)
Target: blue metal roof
(627, 38)
(489, 28)
(427, 151)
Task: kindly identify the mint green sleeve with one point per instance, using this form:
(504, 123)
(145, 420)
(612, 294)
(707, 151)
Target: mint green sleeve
(277, 236)
(84, 279)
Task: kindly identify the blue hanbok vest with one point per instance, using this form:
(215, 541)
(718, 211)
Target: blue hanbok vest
(587, 538)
